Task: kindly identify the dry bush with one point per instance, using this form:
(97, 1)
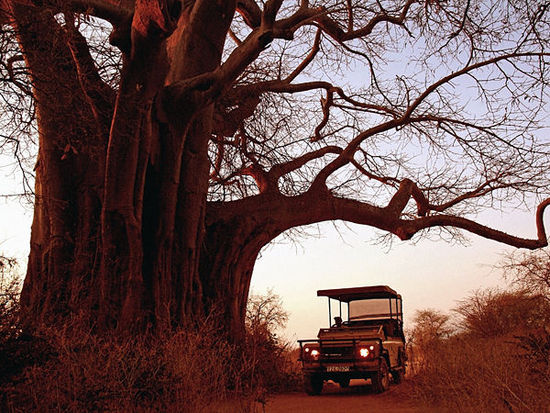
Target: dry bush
(430, 329)
(16, 350)
(85, 372)
(482, 375)
(497, 360)
(10, 286)
(197, 370)
(529, 271)
(494, 313)
(274, 362)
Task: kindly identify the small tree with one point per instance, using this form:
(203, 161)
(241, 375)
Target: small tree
(266, 313)
(269, 356)
(430, 326)
(530, 272)
(493, 313)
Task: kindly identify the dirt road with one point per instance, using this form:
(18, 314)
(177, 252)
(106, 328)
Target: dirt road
(358, 397)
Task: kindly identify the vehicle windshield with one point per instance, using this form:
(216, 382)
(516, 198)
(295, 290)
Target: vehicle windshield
(372, 309)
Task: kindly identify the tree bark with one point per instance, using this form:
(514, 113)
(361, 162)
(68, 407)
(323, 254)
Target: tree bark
(120, 200)
(123, 236)
(69, 180)
(230, 251)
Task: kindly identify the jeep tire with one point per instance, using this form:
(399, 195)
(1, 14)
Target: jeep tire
(313, 384)
(344, 382)
(398, 375)
(381, 379)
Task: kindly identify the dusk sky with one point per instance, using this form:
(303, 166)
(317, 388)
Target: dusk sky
(428, 274)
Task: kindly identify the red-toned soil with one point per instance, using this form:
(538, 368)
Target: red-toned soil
(358, 397)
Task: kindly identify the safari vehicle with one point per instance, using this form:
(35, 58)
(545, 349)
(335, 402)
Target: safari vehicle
(370, 344)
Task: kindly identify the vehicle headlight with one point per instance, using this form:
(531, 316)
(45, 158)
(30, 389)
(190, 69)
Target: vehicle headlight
(312, 353)
(366, 351)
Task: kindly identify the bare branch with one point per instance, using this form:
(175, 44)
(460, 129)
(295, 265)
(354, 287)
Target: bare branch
(282, 169)
(467, 69)
(251, 12)
(407, 228)
(332, 28)
(309, 58)
(325, 105)
(269, 14)
(13, 77)
(99, 95)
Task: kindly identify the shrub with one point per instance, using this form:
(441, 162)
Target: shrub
(493, 313)
(275, 366)
(496, 361)
(430, 329)
(10, 286)
(91, 373)
(481, 375)
(17, 351)
(198, 370)
(529, 271)
(535, 349)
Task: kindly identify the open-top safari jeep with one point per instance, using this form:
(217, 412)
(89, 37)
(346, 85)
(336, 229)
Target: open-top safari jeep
(369, 344)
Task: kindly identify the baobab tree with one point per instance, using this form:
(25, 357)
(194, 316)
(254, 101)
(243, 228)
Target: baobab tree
(169, 158)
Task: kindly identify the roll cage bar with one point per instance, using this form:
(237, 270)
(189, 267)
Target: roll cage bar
(346, 295)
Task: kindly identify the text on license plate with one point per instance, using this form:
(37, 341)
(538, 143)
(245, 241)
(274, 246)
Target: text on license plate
(337, 368)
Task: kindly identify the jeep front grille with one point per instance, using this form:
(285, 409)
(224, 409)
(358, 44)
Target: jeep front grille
(336, 353)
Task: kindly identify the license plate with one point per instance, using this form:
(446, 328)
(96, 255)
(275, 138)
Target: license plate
(333, 369)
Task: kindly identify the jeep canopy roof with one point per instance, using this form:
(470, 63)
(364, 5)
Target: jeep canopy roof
(359, 293)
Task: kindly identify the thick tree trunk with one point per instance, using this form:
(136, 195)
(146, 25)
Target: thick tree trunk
(121, 188)
(64, 239)
(230, 251)
(122, 230)
(195, 48)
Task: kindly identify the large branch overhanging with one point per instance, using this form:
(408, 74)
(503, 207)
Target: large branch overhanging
(429, 215)
(238, 120)
(266, 28)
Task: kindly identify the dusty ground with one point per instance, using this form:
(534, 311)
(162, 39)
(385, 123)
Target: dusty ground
(358, 397)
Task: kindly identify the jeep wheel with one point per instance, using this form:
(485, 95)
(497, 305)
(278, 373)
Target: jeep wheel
(344, 382)
(381, 379)
(313, 384)
(398, 376)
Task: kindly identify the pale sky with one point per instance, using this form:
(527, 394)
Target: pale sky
(428, 274)
(15, 213)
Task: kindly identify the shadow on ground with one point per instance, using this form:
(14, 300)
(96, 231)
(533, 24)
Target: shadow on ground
(358, 397)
